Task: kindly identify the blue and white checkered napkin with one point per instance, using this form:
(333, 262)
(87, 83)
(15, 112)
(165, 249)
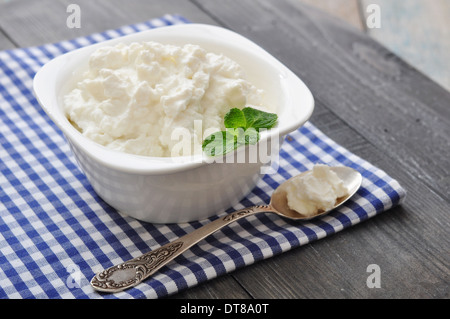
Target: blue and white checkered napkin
(56, 233)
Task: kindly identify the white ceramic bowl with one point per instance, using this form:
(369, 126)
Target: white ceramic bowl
(174, 190)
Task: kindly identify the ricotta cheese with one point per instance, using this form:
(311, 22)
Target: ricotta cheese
(132, 98)
(317, 190)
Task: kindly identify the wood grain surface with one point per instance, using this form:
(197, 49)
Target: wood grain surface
(346, 10)
(419, 32)
(367, 99)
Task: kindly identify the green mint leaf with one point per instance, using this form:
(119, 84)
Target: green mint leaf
(235, 118)
(242, 129)
(259, 119)
(219, 143)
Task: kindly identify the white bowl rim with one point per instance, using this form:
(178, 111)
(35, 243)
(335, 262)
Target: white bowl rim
(45, 92)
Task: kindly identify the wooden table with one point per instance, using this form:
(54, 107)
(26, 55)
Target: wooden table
(367, 99)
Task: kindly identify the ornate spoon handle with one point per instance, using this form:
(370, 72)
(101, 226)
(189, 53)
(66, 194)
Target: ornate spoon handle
(134, 271)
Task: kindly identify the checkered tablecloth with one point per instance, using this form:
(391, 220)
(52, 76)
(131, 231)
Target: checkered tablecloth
(56, 233)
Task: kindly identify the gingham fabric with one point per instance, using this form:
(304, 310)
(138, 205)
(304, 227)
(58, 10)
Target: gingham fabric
(56, 233)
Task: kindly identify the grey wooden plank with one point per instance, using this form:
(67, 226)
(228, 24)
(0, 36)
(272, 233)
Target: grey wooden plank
(5, 43)
(374, 104)
(224, 287)
(32, 22)
(346, 10)
(418, 31)
(47, 18)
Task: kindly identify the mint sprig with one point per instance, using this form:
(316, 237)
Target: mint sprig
(242, 128)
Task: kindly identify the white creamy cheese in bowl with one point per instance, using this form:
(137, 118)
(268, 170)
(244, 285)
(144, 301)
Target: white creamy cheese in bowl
(115, 144)
(133, 97)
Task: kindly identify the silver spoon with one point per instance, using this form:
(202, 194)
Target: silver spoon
(134, 271)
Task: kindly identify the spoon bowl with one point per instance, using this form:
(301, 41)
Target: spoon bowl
(134, 271)
(351, 178)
